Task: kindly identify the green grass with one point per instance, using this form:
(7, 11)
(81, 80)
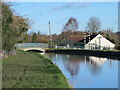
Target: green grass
(31, 70)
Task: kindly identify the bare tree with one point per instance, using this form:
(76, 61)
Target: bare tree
(71, 25)
(93, 24)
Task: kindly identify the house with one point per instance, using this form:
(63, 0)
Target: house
(95, 42)
(73, 39)
(76, 38)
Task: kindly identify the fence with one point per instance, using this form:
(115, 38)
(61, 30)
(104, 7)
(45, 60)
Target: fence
(26, 45)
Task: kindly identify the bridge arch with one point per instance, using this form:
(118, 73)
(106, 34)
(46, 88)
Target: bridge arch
(33, 49)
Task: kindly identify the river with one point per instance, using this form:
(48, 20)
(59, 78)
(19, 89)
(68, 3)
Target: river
(87, 71)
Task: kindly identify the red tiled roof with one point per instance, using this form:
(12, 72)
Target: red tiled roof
(76, 38)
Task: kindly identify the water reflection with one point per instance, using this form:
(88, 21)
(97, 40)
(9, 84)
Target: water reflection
(99, 61)
(95, 65)
(72, 63)
(82, 68)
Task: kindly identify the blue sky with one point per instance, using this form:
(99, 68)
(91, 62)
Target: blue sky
(59, 12)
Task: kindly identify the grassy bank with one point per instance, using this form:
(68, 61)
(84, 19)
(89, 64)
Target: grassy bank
(31, 70)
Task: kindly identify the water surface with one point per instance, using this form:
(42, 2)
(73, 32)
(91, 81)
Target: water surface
(87, 71)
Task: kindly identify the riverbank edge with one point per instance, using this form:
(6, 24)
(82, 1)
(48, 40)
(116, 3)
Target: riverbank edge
(70, 87)
(45, 58)
(113, 54)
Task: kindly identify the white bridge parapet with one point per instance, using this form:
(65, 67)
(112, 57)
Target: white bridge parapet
(32, 48)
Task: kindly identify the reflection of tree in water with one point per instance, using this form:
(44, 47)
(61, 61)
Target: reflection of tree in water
(73, 68)
(72, 63)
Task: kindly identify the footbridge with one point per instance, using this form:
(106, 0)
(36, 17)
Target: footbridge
(32, 46)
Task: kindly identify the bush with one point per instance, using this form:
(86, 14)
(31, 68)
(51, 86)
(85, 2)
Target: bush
(117, 47)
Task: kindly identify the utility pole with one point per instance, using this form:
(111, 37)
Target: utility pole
(50, 35)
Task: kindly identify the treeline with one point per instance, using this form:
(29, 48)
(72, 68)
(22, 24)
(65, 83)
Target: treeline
(33, 38)
(71, 27)
(62, 39)
(13, 27)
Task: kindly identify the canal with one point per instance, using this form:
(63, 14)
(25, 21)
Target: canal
(87, 71)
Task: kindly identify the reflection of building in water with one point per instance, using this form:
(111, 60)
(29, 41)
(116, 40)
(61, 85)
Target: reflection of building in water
(97, 60)
(72, 63)
(95, 64)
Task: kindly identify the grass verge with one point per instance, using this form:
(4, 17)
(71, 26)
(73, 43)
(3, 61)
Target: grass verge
(31, 70)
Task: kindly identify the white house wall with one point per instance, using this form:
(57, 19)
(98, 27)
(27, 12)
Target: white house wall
(104, 43)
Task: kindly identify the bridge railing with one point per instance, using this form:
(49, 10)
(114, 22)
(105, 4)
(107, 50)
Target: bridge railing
(27, 45)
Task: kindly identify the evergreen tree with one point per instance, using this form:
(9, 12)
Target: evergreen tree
(35, 38)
